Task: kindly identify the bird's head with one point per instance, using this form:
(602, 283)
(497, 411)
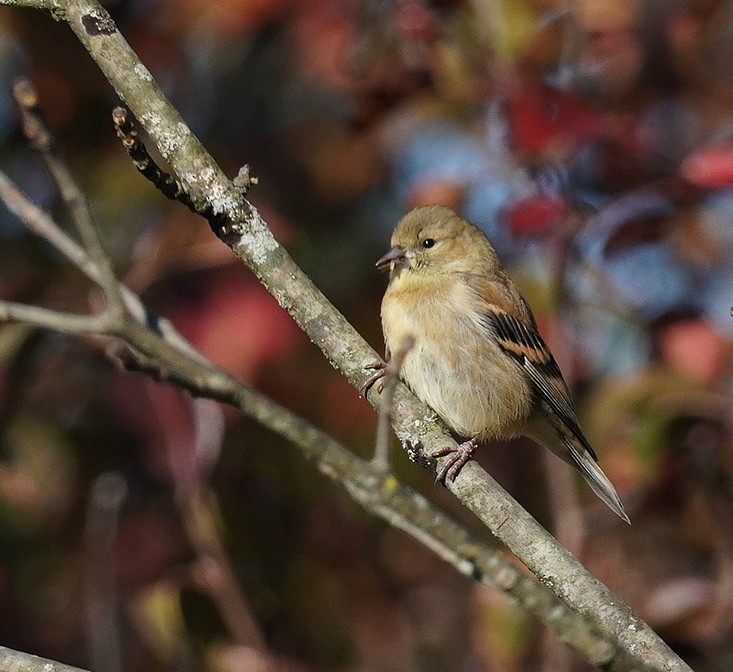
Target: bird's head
(434, 240)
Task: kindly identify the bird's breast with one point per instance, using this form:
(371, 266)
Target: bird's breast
(454, 365)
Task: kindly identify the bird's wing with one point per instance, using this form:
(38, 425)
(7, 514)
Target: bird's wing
(522, 342)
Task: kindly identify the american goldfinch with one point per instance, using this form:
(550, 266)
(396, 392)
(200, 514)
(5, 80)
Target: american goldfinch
(477, 358)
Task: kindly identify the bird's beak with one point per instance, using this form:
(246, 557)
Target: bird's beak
(396, 254)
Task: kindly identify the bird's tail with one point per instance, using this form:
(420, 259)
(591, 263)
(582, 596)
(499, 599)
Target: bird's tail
(573, 447)
(598, 481)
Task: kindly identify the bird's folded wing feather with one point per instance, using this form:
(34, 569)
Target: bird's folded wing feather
(522, 342)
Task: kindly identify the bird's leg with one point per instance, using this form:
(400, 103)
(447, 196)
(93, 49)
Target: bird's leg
(457, 458)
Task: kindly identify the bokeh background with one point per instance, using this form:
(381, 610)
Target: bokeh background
(593, 142)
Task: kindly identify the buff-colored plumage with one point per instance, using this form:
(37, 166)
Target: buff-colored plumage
(477, 358)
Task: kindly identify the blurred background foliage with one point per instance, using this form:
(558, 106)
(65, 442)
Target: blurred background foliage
(592, 141)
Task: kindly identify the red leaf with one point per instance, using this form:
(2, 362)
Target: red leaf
(710, 166)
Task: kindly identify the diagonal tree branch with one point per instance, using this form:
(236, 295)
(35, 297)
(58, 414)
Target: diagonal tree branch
(240, 226)
(18, 661)
(159, 355)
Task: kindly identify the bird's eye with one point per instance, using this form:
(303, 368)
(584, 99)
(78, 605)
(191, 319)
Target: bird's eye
(428, 242)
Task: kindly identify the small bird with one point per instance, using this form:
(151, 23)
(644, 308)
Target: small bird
(476, 358)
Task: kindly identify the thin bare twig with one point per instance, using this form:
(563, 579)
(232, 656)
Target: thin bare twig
(46, 318)
(213, 570)
(199, 511)
(43, 225)
(381, 459)
(567, 515)
(41, 139)
(165, 183)
(107, 495)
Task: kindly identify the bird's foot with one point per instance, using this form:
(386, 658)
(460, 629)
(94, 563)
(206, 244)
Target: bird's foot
(380, 371)
(457, 457)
